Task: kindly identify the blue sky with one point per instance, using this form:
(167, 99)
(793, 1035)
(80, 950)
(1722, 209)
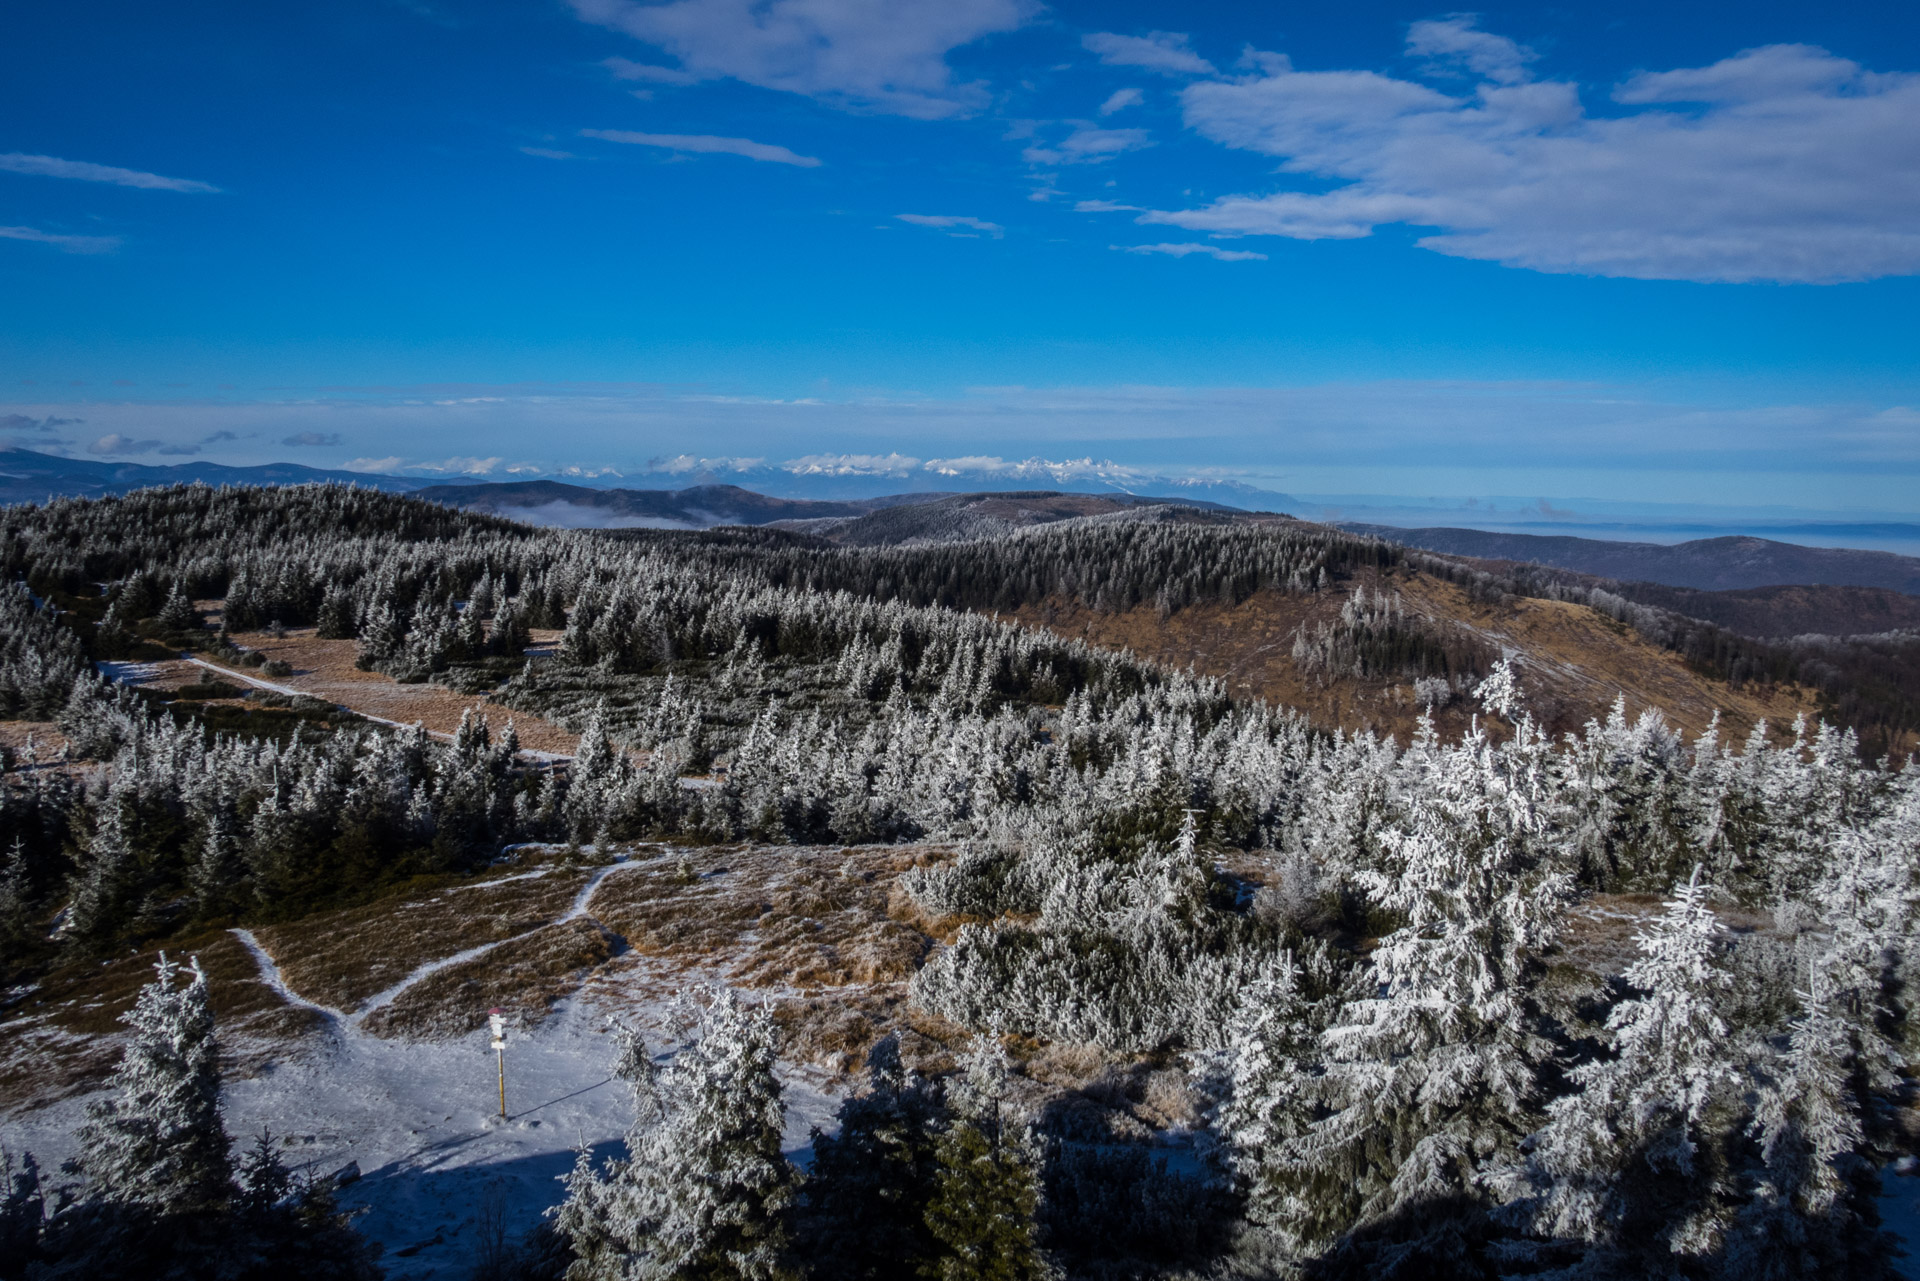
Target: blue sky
(1632, 251)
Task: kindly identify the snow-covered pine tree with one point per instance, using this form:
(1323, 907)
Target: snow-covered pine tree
(1631, 1165)
(1431, 1075)
(704, 1191)
(1800, 1217)
(987, 1190)
(871, 1182)
(159, 1143)
(16, 900)
(1270, 1062)
(217, 877)
(105, 888)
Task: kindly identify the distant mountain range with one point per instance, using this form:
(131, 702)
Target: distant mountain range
(1707, 564)
(548, 502)
(866, 522)
(1752, 585)
(28, 477)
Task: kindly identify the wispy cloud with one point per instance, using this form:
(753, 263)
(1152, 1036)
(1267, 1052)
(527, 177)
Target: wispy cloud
(548, 153)
(627, 69)
(947, 222)
(1120, 100)
(889, 56)
(66, 244)
(1783, 163)
(84, 171)
(706, 143)
(1088, 144)
(1168, 52)
(312, 438)
(1182, 250)
(22, 422)
(1103, 206)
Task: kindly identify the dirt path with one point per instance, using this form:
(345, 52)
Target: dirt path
(324, 669)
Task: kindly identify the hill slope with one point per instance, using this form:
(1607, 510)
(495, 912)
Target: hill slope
(1712, 564)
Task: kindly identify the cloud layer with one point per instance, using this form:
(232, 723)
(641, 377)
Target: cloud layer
(1784, 163)
(875, 55)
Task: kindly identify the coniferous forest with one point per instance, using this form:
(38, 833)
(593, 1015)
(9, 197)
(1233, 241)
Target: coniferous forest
(1370, 962)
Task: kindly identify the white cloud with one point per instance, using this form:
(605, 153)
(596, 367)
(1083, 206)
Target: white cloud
(1784, 163)
(1103, 206)
(1454, 42)
(876, 55)
(66, 244)
(949, 221)
(115, 443)
(54, 167)
(386, 464)
(1182, 250)
(548, 153)
(1120, 100)
(1167, 52)
(706, 143)
(1088, 144)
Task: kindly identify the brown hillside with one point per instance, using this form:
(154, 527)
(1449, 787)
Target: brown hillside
(1573, 661)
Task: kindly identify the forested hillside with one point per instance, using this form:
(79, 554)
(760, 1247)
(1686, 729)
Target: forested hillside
(1189, 984)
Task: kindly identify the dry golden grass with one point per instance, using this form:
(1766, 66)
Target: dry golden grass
(1599, 939)
(819, 929)
(339, 959)
(522, 977)
(325, 669)
(65, 1037)
(47, 739)
(1574, 661)
(799, 917)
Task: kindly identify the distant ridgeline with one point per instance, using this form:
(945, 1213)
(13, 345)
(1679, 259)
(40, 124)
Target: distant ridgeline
(1408, 1057)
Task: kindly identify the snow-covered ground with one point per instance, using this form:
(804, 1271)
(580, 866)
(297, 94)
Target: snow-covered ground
(420, 1118)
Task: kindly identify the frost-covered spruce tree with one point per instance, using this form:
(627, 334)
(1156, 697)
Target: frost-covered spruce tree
(871, 1182)
(159, 1143)
(1431, 1076)
(16, 900)
(1631, 1164)
(704, 1191)
(106, 885)
(1800, 1217)
(987, 1191)
(1270, 1063)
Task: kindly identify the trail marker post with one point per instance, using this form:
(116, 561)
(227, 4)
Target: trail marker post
(498, 1022)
